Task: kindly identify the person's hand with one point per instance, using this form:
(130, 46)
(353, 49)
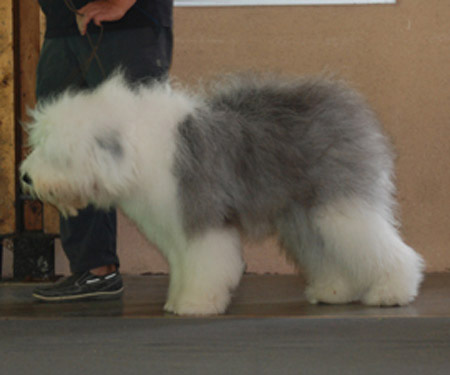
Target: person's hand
(102, 10)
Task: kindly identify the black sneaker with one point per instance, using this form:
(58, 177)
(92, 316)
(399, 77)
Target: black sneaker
(82, 286)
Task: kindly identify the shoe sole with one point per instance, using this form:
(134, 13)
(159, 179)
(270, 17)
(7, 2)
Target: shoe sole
(94, 295)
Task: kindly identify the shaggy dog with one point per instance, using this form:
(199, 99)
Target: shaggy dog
(303, 158)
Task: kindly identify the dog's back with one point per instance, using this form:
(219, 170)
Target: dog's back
(261, 144)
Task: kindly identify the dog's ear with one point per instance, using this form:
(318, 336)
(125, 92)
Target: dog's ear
(112, 166)
(111, 143)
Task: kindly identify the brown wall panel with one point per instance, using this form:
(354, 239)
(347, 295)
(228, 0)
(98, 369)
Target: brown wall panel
(7, 152)
(51, 219)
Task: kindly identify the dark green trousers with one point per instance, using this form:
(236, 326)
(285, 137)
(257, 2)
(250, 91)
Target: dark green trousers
(89, 240)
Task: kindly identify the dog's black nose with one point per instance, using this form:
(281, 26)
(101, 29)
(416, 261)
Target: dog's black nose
(27, 179)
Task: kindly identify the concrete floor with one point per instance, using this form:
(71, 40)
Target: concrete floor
(269, 329)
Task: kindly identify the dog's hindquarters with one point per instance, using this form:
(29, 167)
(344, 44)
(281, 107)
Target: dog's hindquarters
(351, 251)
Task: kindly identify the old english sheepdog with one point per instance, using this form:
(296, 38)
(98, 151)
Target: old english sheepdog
(252, 156)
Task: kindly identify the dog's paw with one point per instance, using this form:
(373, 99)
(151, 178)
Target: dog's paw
(388, 294)
(169, 307)
(189, 308)
(196, 309)
(398, 287)
(196, 305)
(332, 293)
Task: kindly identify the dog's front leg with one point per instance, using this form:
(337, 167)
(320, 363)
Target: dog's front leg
(175, 261)
(206, 273)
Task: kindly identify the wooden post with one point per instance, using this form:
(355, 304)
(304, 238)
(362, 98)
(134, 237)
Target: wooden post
(7, 121)
(27, 25)
(33, 256)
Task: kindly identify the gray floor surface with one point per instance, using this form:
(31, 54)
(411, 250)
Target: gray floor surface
(269, 329)
(225, 346)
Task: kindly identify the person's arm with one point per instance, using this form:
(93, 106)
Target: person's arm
(102, 10)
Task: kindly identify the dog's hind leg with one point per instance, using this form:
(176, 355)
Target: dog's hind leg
(361, 239)
(210, 269)
(327, 279)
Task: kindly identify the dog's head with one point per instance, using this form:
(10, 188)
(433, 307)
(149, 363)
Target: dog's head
(80, 148)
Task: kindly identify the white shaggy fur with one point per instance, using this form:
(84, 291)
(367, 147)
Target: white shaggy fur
(118, 147)
(379, 268)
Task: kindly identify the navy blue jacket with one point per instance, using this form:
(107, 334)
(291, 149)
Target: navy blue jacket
(61, 20)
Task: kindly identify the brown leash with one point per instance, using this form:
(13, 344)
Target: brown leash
(94, 46)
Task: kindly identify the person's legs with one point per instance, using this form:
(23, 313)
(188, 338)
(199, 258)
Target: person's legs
(89, 241)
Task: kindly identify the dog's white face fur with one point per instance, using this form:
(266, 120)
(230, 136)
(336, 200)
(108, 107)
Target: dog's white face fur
(78, 155)
(45, 165)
